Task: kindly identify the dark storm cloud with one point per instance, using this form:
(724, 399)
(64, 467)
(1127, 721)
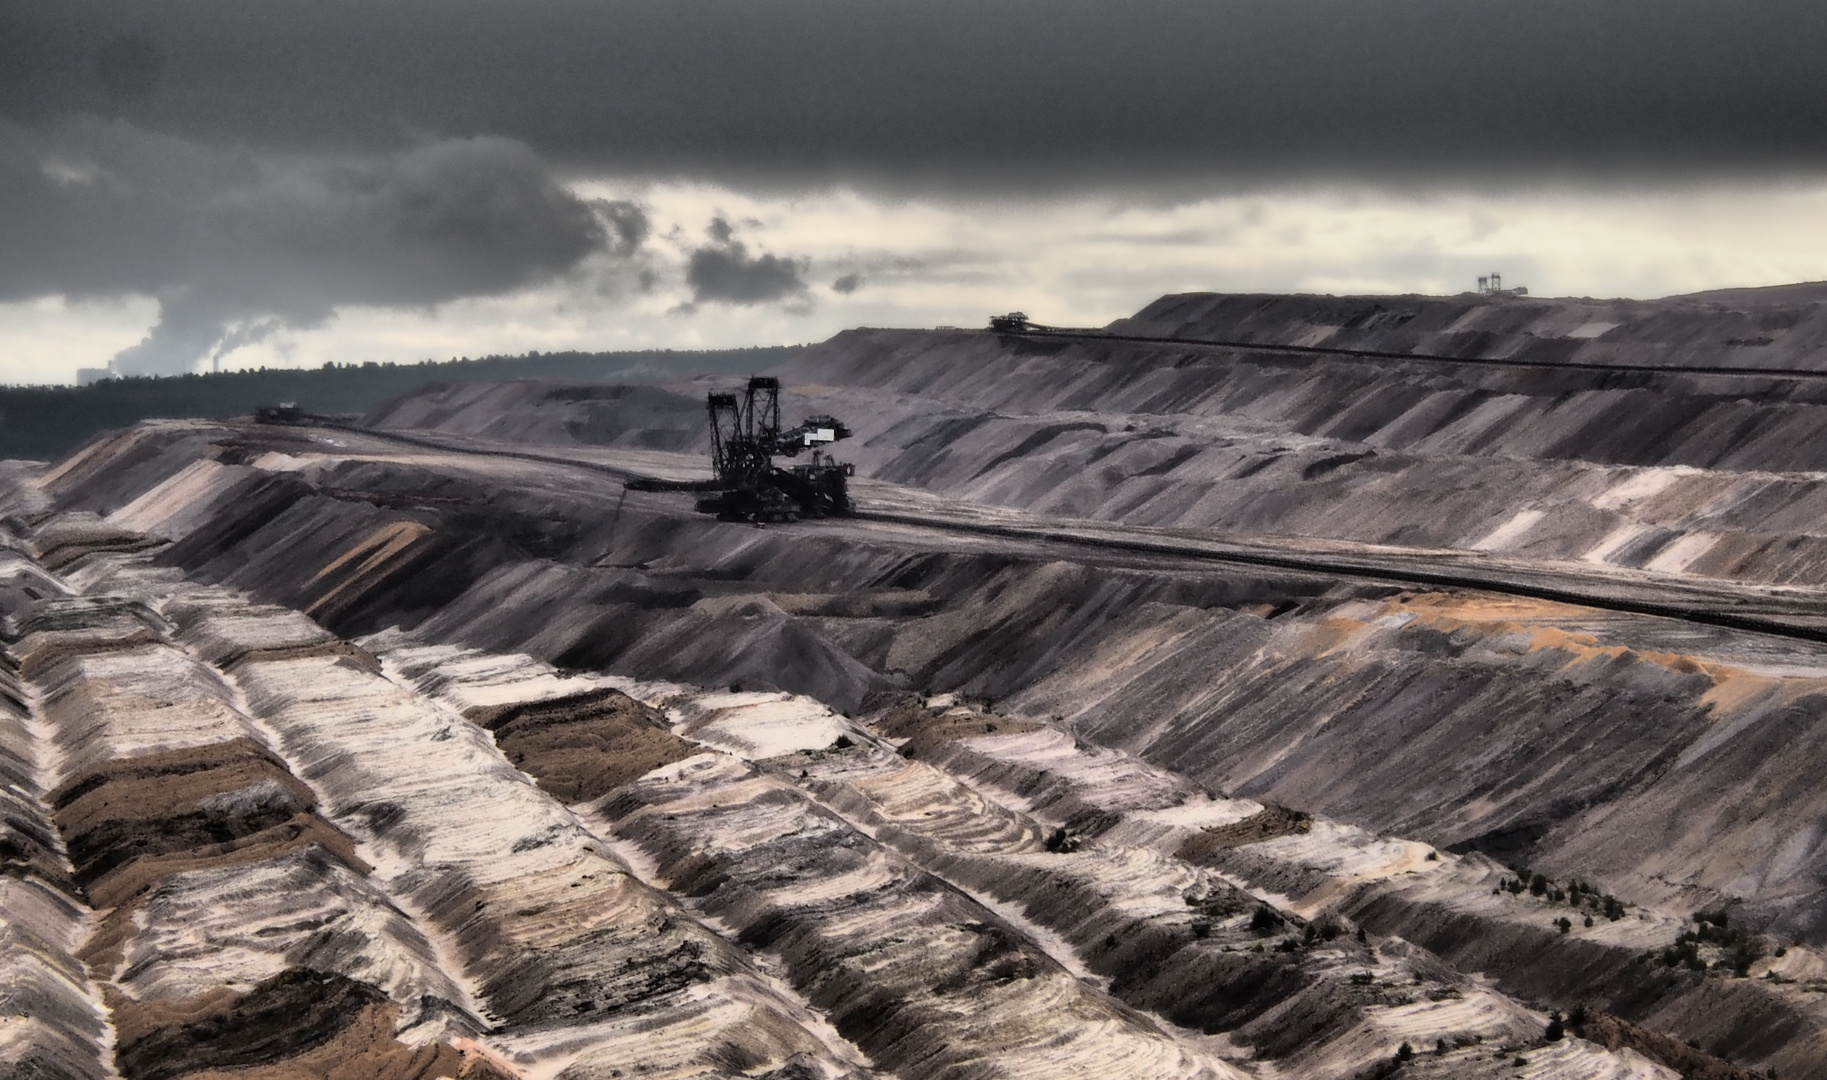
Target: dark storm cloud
(235, 244)
(256, 166)
(941, 92)
(847, 284)
(725, 272)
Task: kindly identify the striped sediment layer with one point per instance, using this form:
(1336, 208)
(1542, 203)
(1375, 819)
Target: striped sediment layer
(835, 905)
(1120, 902)
(1326, 716)
(233, 927)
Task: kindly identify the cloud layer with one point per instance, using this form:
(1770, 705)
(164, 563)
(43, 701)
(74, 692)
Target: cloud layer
(949, 92)
(273, 175)
(724, 271)
(235, 244)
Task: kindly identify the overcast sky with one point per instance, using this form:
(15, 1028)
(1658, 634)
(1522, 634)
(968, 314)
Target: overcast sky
(198, 181)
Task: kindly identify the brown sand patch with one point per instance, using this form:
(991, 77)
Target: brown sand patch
(330, 647)
(129, 822)
(299, 1025)
(1271, 821)
(584, 746)
(1327, 635)
(1489, 607)
(926, 728)
(1733, 687)
(1615, 1033)
(59, 551)
(367, 561)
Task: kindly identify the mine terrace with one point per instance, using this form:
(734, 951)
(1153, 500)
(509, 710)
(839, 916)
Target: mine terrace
(1255, 687)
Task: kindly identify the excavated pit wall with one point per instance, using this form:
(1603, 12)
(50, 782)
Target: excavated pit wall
(1200, 671)
(1321, 1024)
(242, 929)
(53, 1024)
(1711, 475)
(235, 927)
(1014, 614)
(1777, 327)
(270, 651)
(572, 954)
(1716, 476)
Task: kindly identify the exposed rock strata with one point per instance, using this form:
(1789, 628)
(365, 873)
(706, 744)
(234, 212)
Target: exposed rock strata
(1177, 746)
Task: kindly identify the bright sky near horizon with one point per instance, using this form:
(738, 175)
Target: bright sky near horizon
(189, 182)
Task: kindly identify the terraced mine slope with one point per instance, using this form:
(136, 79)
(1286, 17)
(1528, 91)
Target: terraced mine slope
(1157, 718)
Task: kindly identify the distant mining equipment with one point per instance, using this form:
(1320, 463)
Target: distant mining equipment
(1492, 285)
(746, 437)
(1017, 322)
(286, 412)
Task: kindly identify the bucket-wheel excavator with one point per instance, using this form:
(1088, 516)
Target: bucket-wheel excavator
(746, 436)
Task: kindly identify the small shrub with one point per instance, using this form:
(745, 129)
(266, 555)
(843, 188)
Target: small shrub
(1202, 929)
(1565, 924)
(1363, 978)
(1433, 856)
(1577, 1018)
(1405, 1052)
(1746, 953)
(1538, 885)
(842, 743)
(1588, 920)
(1265, 921)
(1363, 940)
(1557, 1027)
